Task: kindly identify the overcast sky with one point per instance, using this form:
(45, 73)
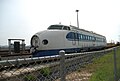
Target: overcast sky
(23, 18)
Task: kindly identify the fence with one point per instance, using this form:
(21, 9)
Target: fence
(63, 67)
(116, 64)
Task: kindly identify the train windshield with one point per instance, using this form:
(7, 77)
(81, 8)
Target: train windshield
(58, 27)
(55, 27)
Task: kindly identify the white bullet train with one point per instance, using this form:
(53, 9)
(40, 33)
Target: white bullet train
(68, 38)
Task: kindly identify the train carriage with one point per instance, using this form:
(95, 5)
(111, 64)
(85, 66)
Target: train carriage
(68, 38)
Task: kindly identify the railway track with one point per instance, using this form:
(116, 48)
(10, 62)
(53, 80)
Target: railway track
(5, 55)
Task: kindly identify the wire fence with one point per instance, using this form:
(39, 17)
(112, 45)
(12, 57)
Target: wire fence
(62, 67)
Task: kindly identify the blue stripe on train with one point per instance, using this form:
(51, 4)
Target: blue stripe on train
(54, 52)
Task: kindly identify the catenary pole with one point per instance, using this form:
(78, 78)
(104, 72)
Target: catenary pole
(77, 18)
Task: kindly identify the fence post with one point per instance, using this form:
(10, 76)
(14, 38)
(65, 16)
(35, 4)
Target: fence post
(62, 65)
(115, 66)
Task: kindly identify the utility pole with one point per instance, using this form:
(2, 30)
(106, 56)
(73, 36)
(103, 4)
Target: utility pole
(77, 18)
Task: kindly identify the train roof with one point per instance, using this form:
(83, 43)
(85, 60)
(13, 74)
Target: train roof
(71, 28)
(74, 27)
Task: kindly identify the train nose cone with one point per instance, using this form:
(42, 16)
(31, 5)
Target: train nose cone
(35, 42)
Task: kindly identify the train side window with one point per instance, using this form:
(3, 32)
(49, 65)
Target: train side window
(77, 36)
(73, 35)
(90, 38)
(84, 37)
(94, 38)
(66, 28)
(87, 37)
(81, 37)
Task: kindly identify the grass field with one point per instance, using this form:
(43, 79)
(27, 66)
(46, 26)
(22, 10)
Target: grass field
(103, 68)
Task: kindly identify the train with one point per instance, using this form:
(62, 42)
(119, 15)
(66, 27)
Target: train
(71, 39)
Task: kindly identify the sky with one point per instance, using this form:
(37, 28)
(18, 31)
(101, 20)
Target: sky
(24, 18)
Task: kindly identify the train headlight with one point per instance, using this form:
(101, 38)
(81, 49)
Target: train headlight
(35, 41)
(45, 41)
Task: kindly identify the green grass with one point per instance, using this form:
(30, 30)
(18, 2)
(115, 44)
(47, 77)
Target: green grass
(103, 67)
(30, 78)
(45, 71)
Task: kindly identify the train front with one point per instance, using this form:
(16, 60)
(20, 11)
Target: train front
(48, 42)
